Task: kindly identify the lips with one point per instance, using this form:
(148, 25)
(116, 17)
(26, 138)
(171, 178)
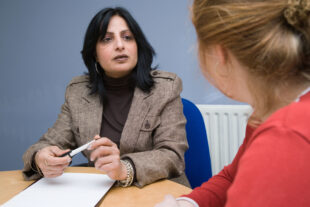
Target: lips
(121, 58)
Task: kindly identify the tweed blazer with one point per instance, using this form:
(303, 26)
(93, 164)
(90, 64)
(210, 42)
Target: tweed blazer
(153, 137)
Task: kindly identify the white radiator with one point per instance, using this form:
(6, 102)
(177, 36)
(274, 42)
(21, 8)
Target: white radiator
(225, 125)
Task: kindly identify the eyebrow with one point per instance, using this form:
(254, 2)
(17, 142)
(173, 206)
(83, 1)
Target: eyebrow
(123, 31)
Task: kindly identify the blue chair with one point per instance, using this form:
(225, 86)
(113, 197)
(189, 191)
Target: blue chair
(197, 157)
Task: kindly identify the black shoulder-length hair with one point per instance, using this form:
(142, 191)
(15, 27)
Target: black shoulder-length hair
(96, 30)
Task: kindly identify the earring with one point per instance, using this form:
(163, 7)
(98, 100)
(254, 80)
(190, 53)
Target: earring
(96, 67)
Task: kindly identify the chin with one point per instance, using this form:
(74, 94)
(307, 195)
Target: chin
(123, 67)
(124, 71)
(118, 73)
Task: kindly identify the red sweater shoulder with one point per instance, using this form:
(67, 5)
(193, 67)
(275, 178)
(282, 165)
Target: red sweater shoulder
(274, 170)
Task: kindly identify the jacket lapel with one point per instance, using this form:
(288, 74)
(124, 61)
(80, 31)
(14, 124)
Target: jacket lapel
(90, 116)
(138, 110)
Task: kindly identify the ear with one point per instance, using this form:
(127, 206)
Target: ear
(224, 72)
(221, 52)
(223, 60)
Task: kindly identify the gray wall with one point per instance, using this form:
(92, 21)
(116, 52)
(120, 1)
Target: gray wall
(40, 44)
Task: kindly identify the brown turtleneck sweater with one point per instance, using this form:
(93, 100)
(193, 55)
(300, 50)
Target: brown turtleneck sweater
(119, 93)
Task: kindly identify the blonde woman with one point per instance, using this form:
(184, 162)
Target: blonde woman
(258, 52)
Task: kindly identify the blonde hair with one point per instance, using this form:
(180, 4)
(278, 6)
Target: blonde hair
(271, 38)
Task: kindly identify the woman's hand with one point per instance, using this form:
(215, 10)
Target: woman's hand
(49, 162)
(170, 201)
(107, 158)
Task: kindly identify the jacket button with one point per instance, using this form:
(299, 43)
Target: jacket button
(147, 124)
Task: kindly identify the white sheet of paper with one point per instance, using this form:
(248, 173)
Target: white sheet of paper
(69, 189)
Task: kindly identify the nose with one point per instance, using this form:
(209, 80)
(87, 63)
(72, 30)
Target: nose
(119, 44)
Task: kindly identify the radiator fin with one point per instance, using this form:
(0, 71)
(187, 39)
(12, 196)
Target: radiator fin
(225, 125)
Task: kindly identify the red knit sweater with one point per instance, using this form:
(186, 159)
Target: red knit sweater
(271, 168)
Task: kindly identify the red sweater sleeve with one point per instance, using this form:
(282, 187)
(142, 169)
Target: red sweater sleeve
(213, 193)
(274, 171)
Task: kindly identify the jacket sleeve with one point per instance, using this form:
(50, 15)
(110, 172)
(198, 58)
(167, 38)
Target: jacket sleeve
(59, 135)
(166, 158)
(213, 193)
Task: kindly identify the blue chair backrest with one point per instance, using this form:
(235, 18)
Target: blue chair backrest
(197, 157)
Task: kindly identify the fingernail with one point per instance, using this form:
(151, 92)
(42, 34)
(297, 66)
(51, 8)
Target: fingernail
(91, 159)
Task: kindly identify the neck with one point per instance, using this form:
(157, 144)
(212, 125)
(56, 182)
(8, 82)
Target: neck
(124, 82)
(284, 96)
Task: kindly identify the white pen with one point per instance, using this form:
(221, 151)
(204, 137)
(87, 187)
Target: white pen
(77, 150)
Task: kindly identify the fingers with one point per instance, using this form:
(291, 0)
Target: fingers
(106, 168)
(52, 174)
(102, 147)
(112, 166)
(54, 161)
(53, 171)
(58, 152)
(107, 157)
(107, 164)
(101, 142)
(97, 137)
(54, 168)
(49, 163)
(102, 151)
(169, 201)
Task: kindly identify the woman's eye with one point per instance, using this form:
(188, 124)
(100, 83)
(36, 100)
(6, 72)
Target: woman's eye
(106, 39)
(127, 37)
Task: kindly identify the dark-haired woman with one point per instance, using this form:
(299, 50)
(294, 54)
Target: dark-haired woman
(132, 111)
